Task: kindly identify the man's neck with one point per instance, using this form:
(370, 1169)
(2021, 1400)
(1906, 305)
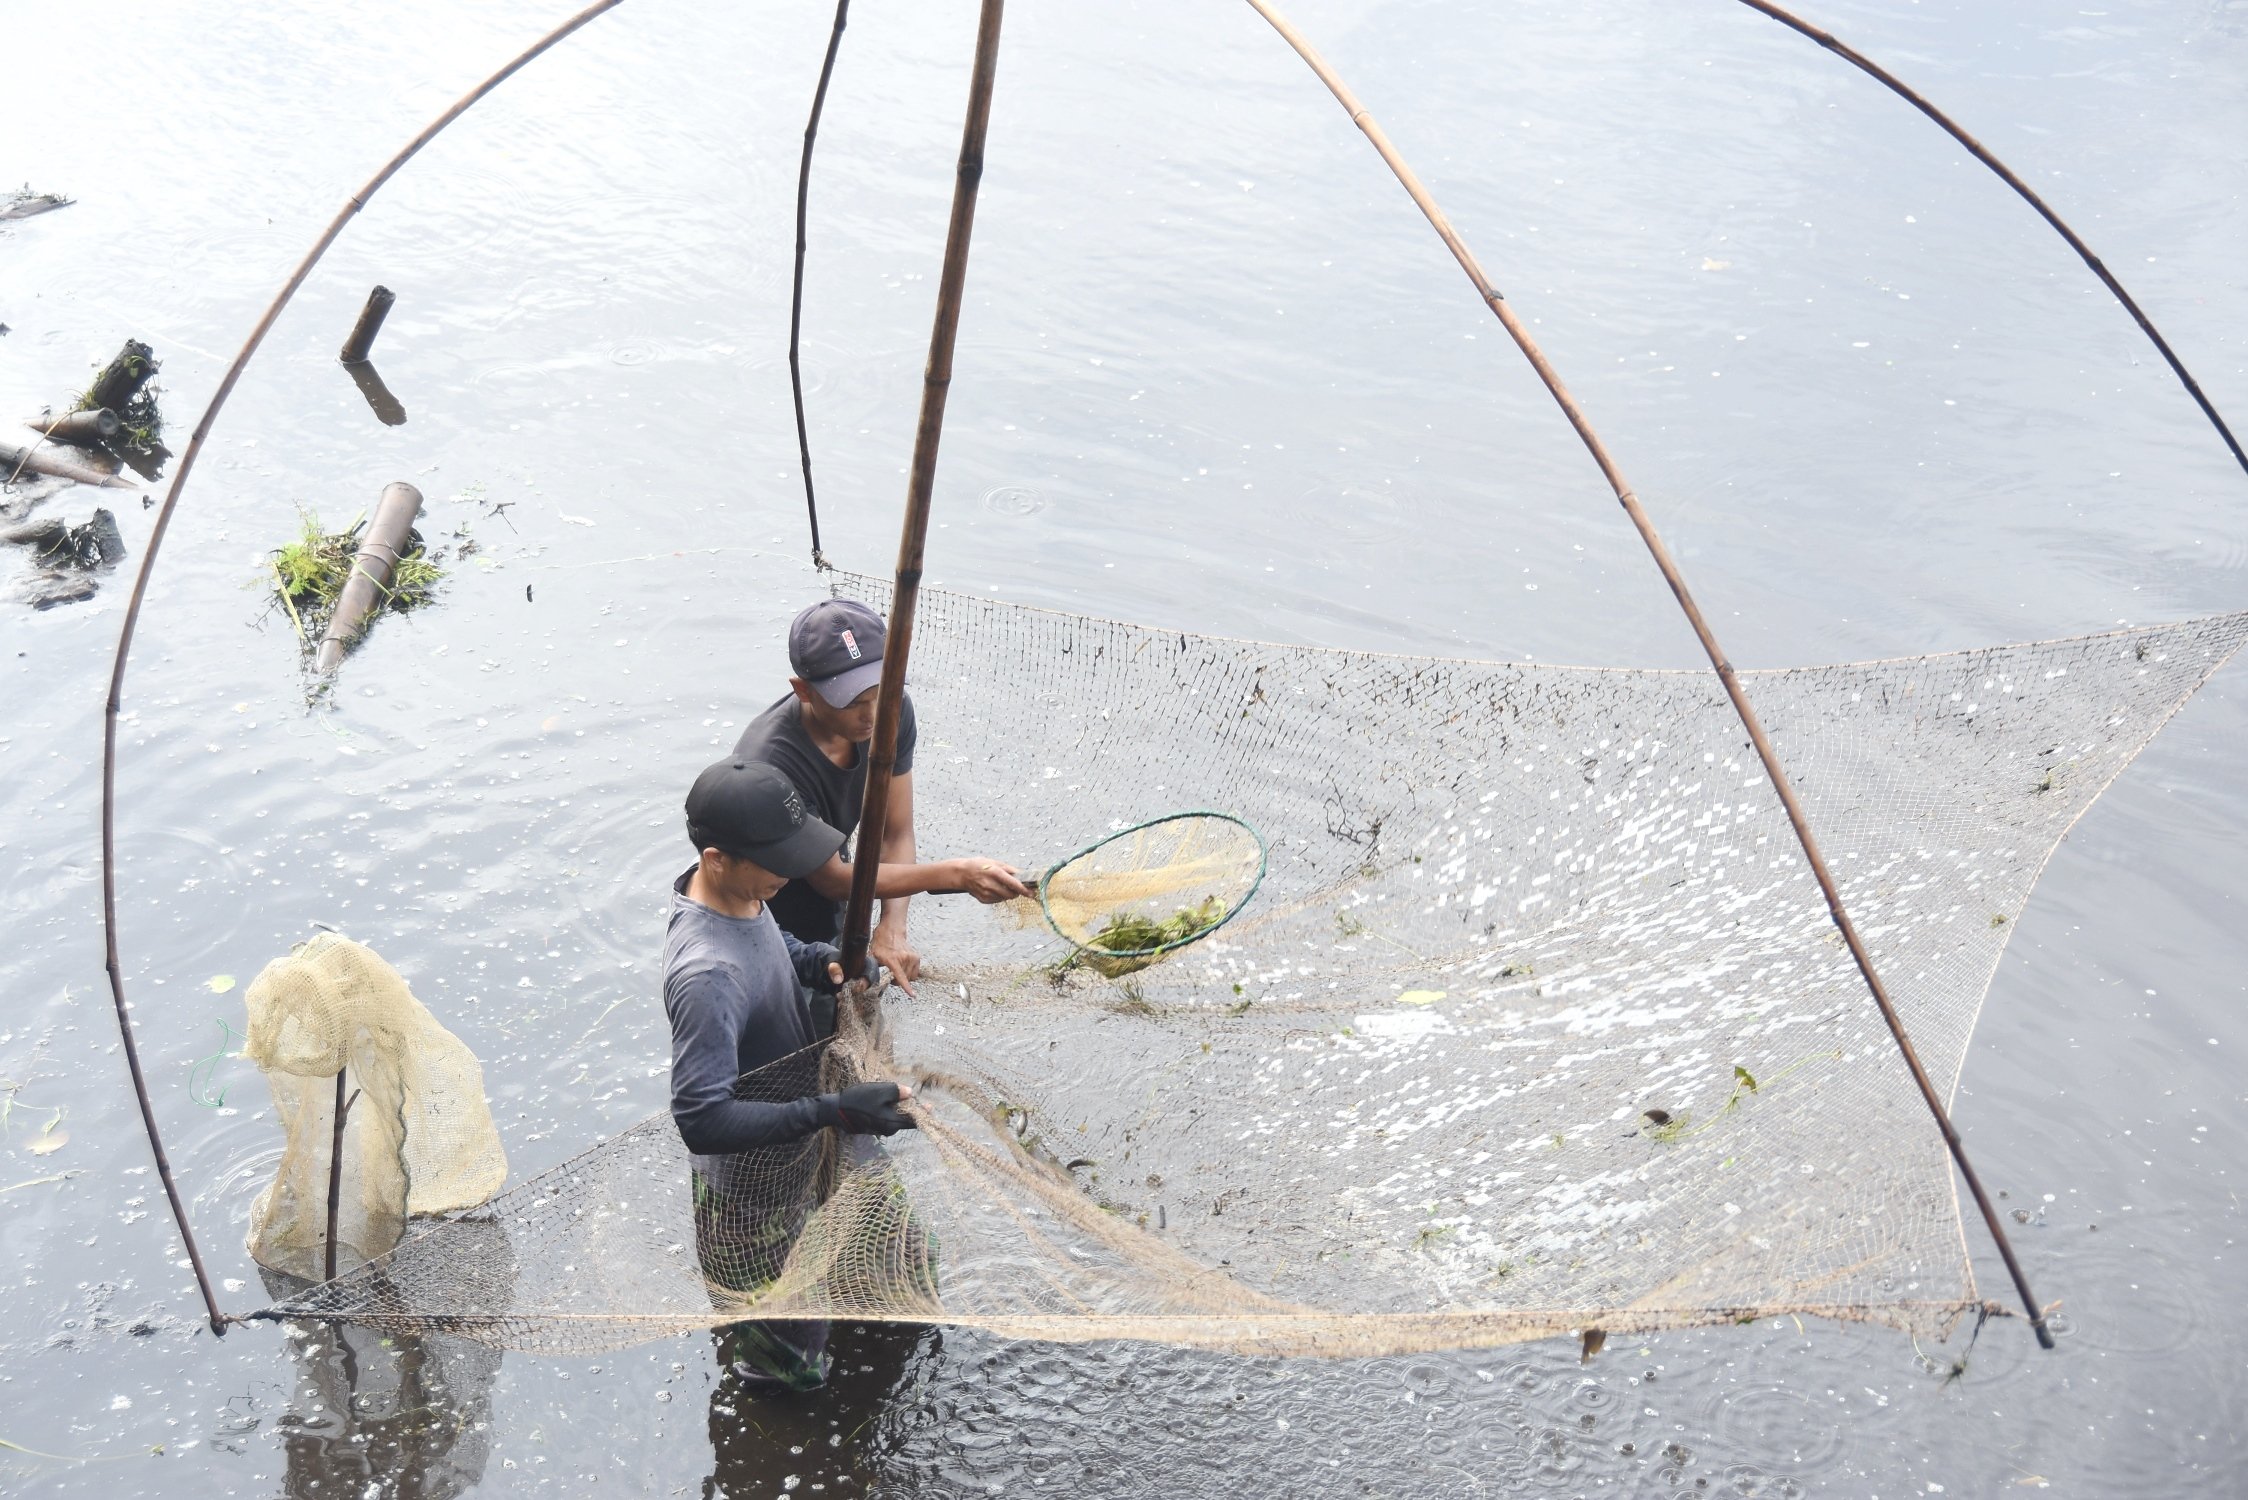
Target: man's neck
(840, 750)
(702, 893)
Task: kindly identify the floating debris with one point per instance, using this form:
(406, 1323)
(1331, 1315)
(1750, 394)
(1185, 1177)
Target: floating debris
(23, 203)
(309, 576)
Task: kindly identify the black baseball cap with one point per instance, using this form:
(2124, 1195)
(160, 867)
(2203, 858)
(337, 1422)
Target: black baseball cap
(836, 646)
(749, 809)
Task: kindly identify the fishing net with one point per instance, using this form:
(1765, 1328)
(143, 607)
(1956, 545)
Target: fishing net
(1150, 889)
(1536, 1023)
(418, 1138)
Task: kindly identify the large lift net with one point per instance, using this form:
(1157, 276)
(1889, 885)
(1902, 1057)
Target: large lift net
(1536, 1024)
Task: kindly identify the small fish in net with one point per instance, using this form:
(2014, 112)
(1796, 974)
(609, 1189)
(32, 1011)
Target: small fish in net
(1136, 895)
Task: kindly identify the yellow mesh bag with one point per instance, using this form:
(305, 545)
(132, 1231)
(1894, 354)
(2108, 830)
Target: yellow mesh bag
(418, 1137)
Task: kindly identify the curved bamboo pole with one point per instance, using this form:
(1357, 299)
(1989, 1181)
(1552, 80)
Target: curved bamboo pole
(352, 205)
(1765, 753)
(1975, 148)
(796, 292)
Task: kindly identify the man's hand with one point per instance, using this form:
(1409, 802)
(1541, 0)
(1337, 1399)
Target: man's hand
(989, 881)
(868, 1109)
(889, 949)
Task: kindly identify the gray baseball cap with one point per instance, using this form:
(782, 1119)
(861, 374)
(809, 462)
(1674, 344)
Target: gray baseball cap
(751, 810)
(836, 646)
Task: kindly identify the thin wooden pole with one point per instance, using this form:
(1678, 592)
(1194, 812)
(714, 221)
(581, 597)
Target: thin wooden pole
(356, 202)
(1975, 148)
(936, 381)
(1726, 675)
(335, 1169)
(796, 293)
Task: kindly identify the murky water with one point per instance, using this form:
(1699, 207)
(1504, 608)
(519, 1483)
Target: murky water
(1214, 373)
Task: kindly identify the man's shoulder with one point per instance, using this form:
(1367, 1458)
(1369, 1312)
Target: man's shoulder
(776, 722)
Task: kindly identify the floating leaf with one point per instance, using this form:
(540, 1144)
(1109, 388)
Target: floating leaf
(1748, 1079)
(50, 1143)
(1420, 997)
(219, 984)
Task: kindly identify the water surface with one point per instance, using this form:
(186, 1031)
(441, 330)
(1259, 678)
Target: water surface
(1214, 373)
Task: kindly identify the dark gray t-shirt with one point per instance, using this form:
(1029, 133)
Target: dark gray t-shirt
(733, 989)
(835, 794)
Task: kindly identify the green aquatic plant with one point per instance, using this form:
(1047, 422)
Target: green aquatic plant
(310, 570)
(1125, 942)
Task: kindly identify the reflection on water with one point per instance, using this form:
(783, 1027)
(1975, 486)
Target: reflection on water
(382, 1414)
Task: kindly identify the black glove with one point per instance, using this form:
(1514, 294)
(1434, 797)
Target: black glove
(866, 1109)
(835, 956)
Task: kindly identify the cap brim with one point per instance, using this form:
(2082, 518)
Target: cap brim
(843, 687)
(802, 852)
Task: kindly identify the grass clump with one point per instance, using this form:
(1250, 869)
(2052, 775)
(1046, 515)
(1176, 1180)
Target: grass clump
(310, 570)
(1122, 945)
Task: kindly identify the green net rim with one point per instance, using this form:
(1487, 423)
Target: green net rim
(1232, 911)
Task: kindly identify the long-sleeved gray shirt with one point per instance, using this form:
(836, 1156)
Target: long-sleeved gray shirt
(731, 986)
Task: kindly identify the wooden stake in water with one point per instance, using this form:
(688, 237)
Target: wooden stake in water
(362, 340)
(335, 1170)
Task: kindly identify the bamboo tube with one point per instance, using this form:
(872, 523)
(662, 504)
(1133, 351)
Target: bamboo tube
(1797, 818)
(36, 460)
(122, 378)
(80, 429)
(112, 963)
(936, 381)
(367, 590)
(362, 341)
(796, 293)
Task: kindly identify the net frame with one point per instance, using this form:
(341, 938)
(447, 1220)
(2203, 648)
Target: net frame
(1233, 908)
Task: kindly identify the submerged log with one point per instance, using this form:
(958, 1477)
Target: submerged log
(121, 379)
(16, 461)
(368, 589)
(80, 429)
(362, 340)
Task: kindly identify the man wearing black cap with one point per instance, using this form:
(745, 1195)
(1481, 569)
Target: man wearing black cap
(817, 736)
(734, 988)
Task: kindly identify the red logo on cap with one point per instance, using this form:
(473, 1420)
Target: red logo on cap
(850, 644)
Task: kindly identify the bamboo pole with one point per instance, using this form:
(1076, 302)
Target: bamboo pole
(936, 381)
(112, 962)
(1975, 148)
(796, 293)
(80, 429)
(1797, 818)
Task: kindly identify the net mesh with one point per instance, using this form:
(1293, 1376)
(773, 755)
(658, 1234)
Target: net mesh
(1537, 1022)
(1149, 889)
(418, 1137)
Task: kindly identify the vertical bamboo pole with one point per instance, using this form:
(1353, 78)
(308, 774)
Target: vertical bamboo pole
(1797, 819)
(936, 381)
(796, 292)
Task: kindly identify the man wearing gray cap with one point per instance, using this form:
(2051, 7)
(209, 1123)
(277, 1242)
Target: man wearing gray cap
(744, 1086)
(817, 736)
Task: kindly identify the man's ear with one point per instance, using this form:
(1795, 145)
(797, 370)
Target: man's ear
(802, 689)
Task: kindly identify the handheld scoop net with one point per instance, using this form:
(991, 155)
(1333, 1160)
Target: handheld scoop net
(1138, 894)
